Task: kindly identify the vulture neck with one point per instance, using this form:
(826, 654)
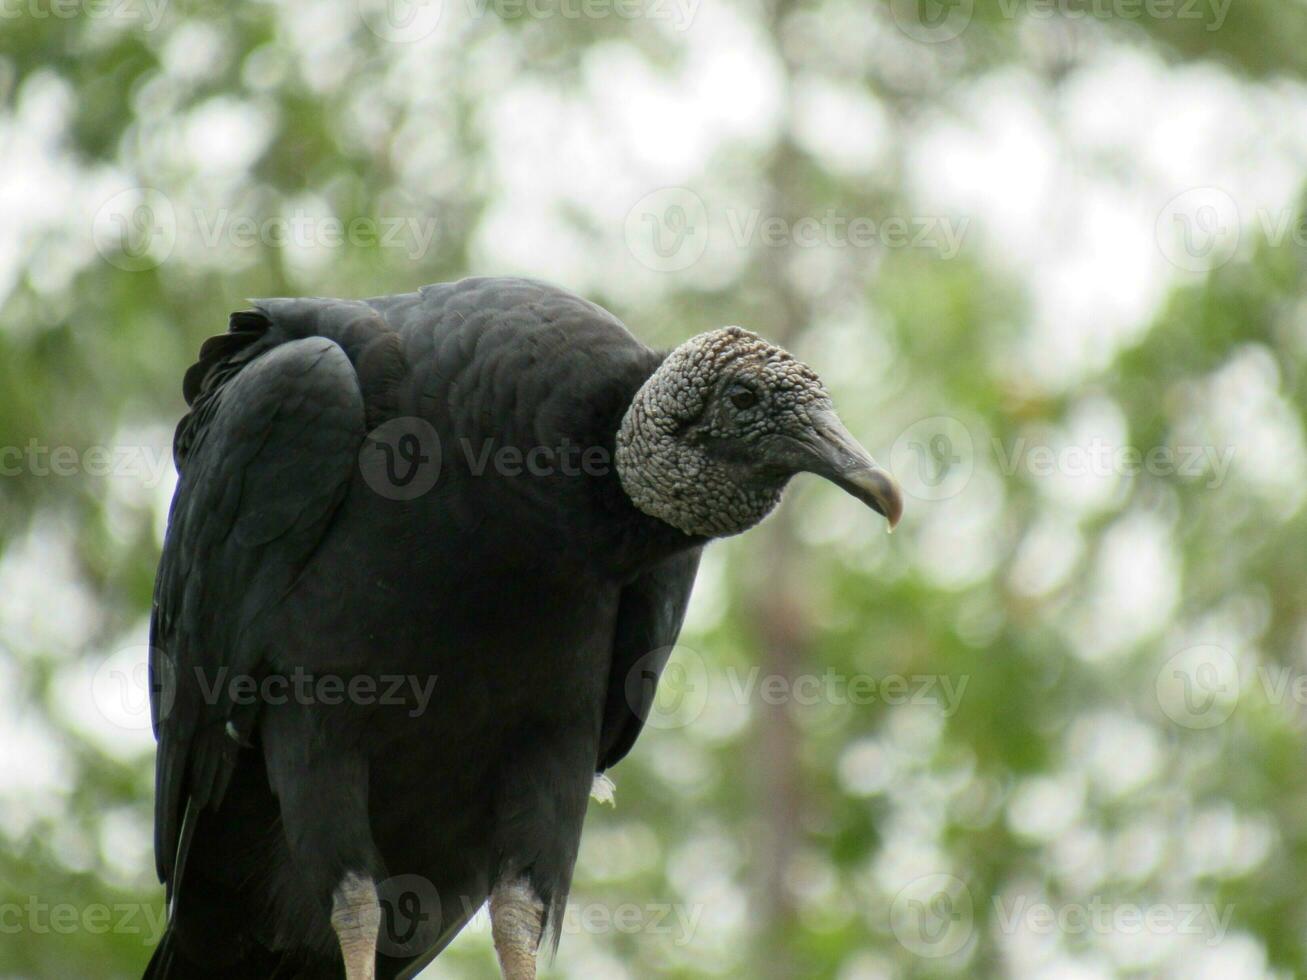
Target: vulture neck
(642, 539)
(669, 475)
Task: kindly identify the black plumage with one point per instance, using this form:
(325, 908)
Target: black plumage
(490, 624)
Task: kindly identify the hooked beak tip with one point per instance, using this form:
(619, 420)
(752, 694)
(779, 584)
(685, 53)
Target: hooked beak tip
(878, 490)
(839, 458)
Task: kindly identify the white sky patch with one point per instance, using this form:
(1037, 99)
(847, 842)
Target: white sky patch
(523, 235)
(1133, 589)
(1060, 965)
(1048, 553)
(1099, 288)
(148, 483)
(1237, 957)
(632, 131)
(722, 925)
(708, 600)
(103, 696)
(195, 51)
(162, 501)
(902, 858)
(225, 136)
(842, 125)
(127, 847)
(40, 180)
(679, 761)
(705, 858)
(612, 853)
(1077, 860)
(915, 730)
(320, 33)
(725, 715)
(1120, 754)
(866, 767)
(956, 544)
(865, 965)
(992, 156)
(1248, 415)
(38, 772)
(1076, 465)
(592, 962)
(1137, 848)
(1066, 193)
(305, 255)
(702, 874)
(1220, 842)
(1043, 807)
(39, 573)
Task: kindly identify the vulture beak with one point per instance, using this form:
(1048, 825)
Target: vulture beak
(833, 453)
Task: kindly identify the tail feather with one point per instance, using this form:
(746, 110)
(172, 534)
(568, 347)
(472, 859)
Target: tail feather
(173, 962)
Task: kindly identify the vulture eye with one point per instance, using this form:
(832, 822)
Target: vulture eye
(741, 397)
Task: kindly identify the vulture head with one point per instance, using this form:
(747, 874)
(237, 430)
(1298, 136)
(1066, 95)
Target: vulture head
(715, 433)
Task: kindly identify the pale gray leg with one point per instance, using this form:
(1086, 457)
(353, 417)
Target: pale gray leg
(517, 919)
(356, 917)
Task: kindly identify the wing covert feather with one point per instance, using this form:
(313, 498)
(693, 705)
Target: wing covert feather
(266, 464)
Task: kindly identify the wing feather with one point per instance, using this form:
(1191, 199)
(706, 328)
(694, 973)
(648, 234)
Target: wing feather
(265, 458)
(649, 618)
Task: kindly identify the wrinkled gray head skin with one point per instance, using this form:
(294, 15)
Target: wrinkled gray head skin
(713, 436)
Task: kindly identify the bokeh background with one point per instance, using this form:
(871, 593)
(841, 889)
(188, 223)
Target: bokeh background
(1049, 256)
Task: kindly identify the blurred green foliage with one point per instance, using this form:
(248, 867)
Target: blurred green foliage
(756, 836)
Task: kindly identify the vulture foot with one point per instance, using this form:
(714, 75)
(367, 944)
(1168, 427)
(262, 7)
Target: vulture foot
(356, 918)
(516, 921)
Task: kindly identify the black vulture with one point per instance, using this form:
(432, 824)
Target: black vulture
(426, 558)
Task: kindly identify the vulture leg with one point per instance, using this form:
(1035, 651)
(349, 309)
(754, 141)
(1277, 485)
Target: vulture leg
(516, 921)
(322, 789)
(356, 919)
